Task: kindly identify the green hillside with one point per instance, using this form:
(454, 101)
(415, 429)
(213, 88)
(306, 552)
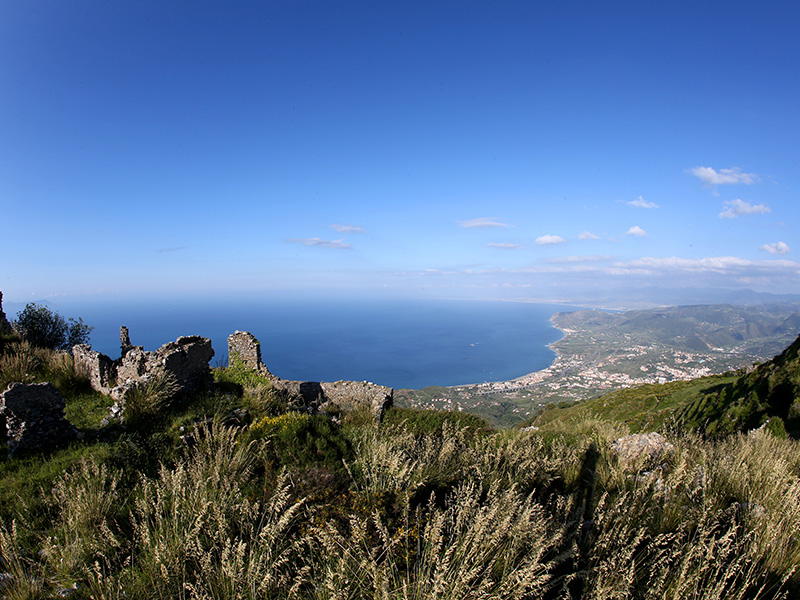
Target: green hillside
(768, 395)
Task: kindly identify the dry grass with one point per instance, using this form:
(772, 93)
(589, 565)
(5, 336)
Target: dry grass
(507, 516)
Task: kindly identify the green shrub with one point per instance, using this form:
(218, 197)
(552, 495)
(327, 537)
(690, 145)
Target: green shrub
(238, 373)
(300, 441)
(44, 328)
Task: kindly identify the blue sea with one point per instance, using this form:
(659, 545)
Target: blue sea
(402, 344)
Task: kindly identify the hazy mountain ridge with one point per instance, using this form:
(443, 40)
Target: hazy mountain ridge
(698, 327)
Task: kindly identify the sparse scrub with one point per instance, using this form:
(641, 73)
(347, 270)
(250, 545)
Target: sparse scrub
(145, 402)
(21, 362)
(24, 362)
(296, 506)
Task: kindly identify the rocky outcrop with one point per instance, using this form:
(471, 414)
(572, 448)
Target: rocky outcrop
(332, 398)
(183, 362)
(650, 446)
(34, 417)
(5, 326)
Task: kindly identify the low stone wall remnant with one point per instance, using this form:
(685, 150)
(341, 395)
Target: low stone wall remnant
(332, 398)
(34, 417)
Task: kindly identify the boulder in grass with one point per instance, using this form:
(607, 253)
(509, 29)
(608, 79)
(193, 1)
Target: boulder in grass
(34, 417)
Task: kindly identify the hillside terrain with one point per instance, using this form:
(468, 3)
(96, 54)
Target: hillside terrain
(768, 396)
(232, 492)
(604, 351)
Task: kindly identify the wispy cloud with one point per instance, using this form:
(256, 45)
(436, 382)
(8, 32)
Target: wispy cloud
(637, 231)
(505, 245)
(546, 240)
(737, 208)
(483, 223)
(559, 260)
(642, 203)
(588, 235)
(734, 175)
(776, 248)
(348, 228)
(319, 242)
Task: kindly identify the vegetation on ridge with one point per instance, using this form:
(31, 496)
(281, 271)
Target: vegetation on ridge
(227, 493)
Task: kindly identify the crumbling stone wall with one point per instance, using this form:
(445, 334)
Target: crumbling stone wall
(340, 396)
(96, 366)
(5, 326)
(184, 362)
(347, 396)
(34, 417)
(245, 348)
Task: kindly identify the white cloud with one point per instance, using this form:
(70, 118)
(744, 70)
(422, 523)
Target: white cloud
(637, 231)
(776, 248)
(504, 245)
(545, 240)
(710, 177)
(736, 208)
(483, 223)
(315, 241)
(642, 203)
(587, 235)
(348, 228)
(578, 259)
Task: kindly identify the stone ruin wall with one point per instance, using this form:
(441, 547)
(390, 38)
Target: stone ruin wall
(5, 326)
(331, 397)
(184, 362)
(245, 348)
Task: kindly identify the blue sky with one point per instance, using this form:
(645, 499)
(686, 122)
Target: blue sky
(536, 150)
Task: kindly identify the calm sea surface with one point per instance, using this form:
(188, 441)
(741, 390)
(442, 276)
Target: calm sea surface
(402, 344)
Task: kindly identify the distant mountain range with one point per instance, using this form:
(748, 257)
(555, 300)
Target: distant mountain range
(653, 296)
(700, 327)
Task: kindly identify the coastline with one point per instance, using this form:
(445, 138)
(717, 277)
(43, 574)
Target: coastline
(531, 378)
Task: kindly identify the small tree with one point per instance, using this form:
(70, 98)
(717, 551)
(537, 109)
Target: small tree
(47, 329)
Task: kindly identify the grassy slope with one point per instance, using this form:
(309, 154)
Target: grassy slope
(429, 504)
(644, 408)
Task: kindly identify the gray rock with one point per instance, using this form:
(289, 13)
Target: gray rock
(34, 417)
(649, 445)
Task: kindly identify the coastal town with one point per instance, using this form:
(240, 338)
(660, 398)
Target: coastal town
(598, 354)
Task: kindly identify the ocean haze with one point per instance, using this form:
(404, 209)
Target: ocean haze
(402, 344)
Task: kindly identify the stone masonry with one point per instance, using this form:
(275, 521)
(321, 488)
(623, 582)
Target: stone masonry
(184, 362)
(5, 326)
(244, 347)
(34, 417)
(332, 398)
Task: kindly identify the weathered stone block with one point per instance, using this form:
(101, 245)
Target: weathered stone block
(34, 416)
